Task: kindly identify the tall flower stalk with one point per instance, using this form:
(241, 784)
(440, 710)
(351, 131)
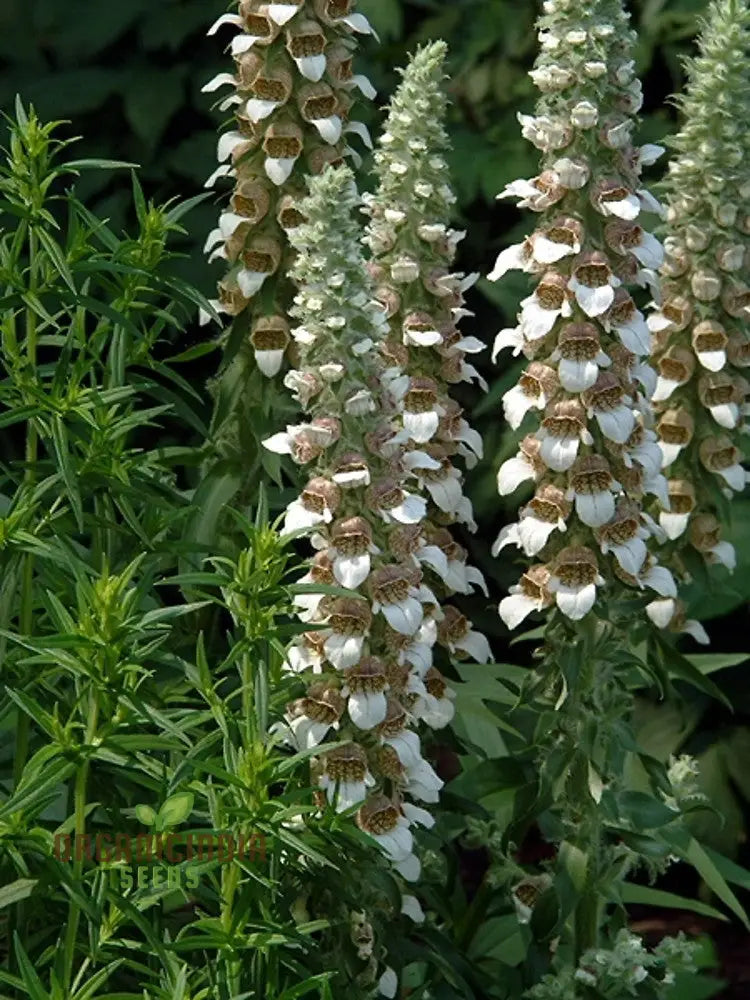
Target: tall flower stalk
(360, 683)
(368, 655)
(592, 455)
(292, 90)
(702, 324)
(413, 249)
(590, 449)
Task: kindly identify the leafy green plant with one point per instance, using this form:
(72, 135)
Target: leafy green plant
(133, 670)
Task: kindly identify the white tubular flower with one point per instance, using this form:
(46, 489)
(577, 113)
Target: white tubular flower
(573, 580)
(411, 906)
(316, 505)
(396, 597)
(387, 825)
(705, 535)
(625, 536)
(270, 339)
(561, 433)
(540, 311)
(536, 388)
(606, 401)
(281, 105)
(593, 489)
(702, 320)
(346, 778)
(669, 613)
(547, 512)
(388, 982)
(305, 655)
(351, 550)
(531, 593)
(455, 632)
(593, 284)
(310, 718)
(682, 502)
(366, 684)
(590, 452)
(527, 464)
(579, 357)
(435, 707)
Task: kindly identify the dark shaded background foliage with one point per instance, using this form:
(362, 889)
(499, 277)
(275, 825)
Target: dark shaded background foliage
(128, 75)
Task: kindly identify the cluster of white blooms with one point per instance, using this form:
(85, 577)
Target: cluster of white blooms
(292, 90)
(368, 655)
(424, 353)
(628, 969)
(701, 323)
(683, 776)
(592, 453)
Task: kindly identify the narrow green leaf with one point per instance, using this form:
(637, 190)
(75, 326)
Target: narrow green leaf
(62, 453)
(31, 980)
(198, 351)
(181, 209)
(99, 164)
(709, 663)
(689, 849)
(57, 257)
(19, 414)
(645, 895)
(22, 888)
(680, 666)
(34, 711)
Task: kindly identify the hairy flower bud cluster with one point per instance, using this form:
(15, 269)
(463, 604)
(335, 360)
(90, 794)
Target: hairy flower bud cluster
(292, 91)
(424, 353)
(369, 654)
(591, 453)
(702, 323)
(627, 969)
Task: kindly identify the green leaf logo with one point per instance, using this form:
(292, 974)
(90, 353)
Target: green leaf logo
(145, 815)
(175, 810)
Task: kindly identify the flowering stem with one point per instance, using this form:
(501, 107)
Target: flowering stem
(701, 324)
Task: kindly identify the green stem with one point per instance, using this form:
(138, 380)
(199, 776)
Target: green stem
(26, 616)
(587, 914)
(79, 818)
(248, 699)
(475, 914)
(230, 879)
(587, 922)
